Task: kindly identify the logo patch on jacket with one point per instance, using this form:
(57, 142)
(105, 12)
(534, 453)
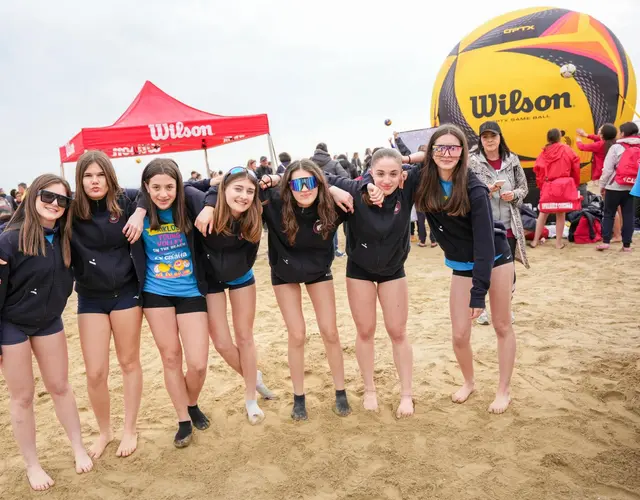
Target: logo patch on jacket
(317, 226)
(396, 210)
(114, 218)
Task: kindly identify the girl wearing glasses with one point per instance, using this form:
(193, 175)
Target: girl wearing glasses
(174, 293)
(109, 269)
(459, 213)
(377, 247)
(35, 283)
(302, 219)
(230, 223)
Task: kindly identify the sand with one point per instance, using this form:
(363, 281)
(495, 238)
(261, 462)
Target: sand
(572, 431)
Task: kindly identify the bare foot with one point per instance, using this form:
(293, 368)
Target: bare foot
(463, 393)
(406, 407)
(616, 239)
(370, 400)
(500, 404)
(97, 448)
(83, 462)
(38, 478)
(128, 445)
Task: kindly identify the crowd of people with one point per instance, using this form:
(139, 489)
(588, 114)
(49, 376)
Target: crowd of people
(176, 252)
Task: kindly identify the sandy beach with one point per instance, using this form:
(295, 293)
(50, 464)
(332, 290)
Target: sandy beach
(572, 431)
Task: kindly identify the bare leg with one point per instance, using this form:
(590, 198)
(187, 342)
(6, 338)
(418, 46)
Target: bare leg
(362, 301)
(53, 360)
(126, 326)
(394, 300)
(194, 334)
(461, 334)
(164, 327)
(540, 222)
(95, 336)
(18, 374)
(219, 330)
(617, 226)
(560, 217)
(289, 299)
(500, 297)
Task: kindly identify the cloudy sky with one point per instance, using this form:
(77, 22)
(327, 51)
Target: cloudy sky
(323, 71)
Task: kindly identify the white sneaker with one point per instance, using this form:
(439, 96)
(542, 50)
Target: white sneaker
(483, 319)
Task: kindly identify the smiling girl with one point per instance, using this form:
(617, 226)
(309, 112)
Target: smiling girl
(459, 213)
(302, 220)
(377, 247)
(35, 283)
(109, 268)
(173, 293)
(230, 223)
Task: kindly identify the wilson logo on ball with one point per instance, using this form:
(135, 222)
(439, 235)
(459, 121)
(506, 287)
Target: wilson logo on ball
(486, 106)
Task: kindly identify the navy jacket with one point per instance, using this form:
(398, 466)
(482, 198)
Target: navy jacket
(33, 289)
(104, 264)
(473, 237)
(226, 257)
(311, 256)
(378, 237)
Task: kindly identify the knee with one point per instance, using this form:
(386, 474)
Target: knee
(461, 338)
(397, 335)
(502, 328)
(172, 359)
(23, 400)
(97, 378)
(297, 338)
(199, 369)
(366, 333)
(59, 388)
(244, 340)
(222, 346)
(130, 365)
(330, 336)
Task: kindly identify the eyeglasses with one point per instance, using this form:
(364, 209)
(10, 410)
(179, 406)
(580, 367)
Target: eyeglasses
(442, 149)
(300, 183)
(49, 197)
(239, 170)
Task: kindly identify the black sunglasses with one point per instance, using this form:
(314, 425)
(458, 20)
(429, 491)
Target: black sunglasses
(49, 197)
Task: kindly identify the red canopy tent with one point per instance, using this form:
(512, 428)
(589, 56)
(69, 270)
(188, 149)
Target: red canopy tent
(156, 123)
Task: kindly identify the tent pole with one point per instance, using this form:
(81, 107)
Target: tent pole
(62, 170)
(272, 153)
(206, 161)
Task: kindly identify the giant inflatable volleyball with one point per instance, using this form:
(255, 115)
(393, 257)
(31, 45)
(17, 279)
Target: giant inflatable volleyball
(532, 70)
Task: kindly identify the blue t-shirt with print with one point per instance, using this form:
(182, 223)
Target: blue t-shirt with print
(169, 263)
(447, 187)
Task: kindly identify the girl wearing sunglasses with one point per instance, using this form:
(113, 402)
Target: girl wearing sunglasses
(174, 293)
(377, 247)
(302, 219)
(35, 283)
(109, 266)
(475, 247)
(230, 224)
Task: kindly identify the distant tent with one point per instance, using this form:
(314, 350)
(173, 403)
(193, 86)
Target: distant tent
(157, 123)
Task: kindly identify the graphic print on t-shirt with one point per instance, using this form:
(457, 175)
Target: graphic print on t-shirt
(170, 257)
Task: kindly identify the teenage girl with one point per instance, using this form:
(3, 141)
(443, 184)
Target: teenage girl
(174, 293)
(230, 222)
(302, 220)
(109, 272)
(458, 210)
(35, 283)
(377, 247)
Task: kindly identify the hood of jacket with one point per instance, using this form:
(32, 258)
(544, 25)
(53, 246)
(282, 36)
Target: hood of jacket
(633, 140)
(321, 158)
(554, 152)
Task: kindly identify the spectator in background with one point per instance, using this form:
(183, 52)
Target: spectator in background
(348, 167)
(357, 163)
(285, 161)
(7, 206)
(194, 175)
(251, 165)
(264, 168)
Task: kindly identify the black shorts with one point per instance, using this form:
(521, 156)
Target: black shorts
(16, 334)
(354, 271)
(220, 286)
(127, 300)
(513, 243)
(505, 258)
(182, 305)
(275, 281)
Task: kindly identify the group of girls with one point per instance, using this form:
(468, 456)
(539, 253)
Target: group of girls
(178, 277)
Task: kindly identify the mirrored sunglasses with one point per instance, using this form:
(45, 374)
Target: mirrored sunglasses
(299, 184)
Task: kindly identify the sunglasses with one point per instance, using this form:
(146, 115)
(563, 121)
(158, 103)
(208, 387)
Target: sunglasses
(49, 197)
(298, 184)
(240, 170)
(442, 149)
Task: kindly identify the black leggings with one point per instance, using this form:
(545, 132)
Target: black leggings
(613, 200)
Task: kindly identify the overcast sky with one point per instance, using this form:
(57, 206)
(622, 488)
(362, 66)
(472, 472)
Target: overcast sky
(327, 71)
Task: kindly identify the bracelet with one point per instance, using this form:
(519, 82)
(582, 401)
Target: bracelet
(409, 159)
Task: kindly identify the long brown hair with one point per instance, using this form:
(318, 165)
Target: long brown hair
(429, 193)
(27, 221)
(250, 221)
(326, 205)
(81, 206)
(160, 166)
